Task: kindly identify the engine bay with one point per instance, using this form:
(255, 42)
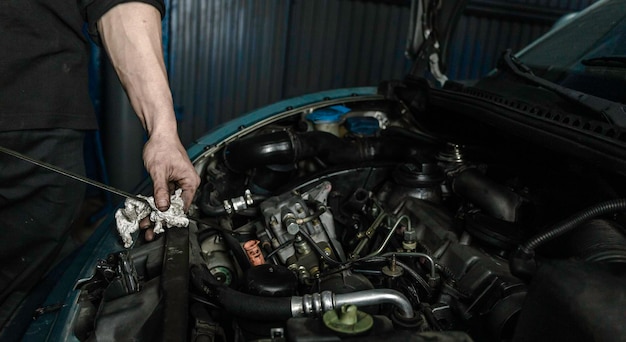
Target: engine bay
(359, 221)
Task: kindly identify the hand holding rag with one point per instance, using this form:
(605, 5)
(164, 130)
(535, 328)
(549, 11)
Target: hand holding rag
(134, 211)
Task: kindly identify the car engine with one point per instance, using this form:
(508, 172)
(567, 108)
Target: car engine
(359, 221)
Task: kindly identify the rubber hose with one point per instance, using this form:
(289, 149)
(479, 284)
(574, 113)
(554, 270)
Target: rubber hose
(445, 271)
(416, 277)
(495, 199)
(317, 249)
(241, 304)
(205, 204)
(267, 149)
(334, 150)
(604, 208)
(598, 240)
(285, 147)
(411, 272)
(430, 317)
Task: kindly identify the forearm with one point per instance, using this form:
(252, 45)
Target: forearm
(131, 34)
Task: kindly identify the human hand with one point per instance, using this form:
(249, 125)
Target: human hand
(131, 35)
(170, 168)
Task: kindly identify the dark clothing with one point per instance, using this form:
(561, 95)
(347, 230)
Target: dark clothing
(44, 110)
(44, 59)
(37, 206)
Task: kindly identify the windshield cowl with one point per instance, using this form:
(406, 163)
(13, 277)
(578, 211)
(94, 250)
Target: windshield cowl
(515, 81)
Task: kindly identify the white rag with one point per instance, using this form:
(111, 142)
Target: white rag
(128, 218)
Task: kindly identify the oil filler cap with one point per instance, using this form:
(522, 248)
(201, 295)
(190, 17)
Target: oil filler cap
(348, 320)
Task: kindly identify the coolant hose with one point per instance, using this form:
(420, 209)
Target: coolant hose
(281, 308)
(267, 149)
(205, 203)
(241, 304)
(285, 147)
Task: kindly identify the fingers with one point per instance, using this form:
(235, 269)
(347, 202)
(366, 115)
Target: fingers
(146, 225)
(149, 234)
(170, 167)
(161, 193)
(186, 179)
(189, 186)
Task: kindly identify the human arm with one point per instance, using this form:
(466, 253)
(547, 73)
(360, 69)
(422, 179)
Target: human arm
(131, 34)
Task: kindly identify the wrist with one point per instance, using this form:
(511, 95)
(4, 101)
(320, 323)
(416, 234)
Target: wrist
(159, 120)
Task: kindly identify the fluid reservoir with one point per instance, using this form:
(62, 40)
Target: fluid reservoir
(363, 125)
(328, 119)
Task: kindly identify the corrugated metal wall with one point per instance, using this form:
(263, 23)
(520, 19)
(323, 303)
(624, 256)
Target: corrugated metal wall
(228, 57)
(339, 43)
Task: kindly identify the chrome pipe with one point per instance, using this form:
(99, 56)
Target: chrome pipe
(318, 303)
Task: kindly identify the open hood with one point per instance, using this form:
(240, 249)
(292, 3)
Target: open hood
(431, 25)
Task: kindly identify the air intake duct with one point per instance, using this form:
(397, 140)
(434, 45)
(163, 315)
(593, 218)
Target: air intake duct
(285, 147)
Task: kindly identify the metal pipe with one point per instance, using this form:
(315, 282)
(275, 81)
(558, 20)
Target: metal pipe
(269, 308)
(320, 210)
(318, 303)
(388, 237)
(368, 234)
(406, 267)
(374, 297)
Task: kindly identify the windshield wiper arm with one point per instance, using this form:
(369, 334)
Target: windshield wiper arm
(612, 112)
(606, 61)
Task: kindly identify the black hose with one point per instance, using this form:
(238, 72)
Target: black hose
(241, 304)
(443, 269)
(279, 248)
(317, 249)
(598, 240)
(285, 147)
(205, 203)
(266, 149)
(522, 261)
(430, 317)
(604, 208)
(411, 272)
(495, 199)
(416, 277)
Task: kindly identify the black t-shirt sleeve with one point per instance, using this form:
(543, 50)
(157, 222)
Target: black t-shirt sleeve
(93, 10)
